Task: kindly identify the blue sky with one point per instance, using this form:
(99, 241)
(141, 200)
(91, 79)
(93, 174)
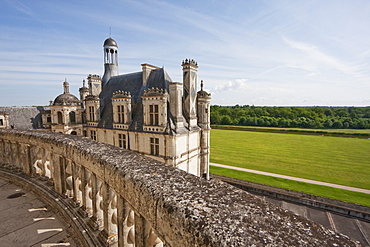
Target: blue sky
(279, 53)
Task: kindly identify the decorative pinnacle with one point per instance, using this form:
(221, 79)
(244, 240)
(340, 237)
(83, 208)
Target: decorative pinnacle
(201, 85)
(189, 61)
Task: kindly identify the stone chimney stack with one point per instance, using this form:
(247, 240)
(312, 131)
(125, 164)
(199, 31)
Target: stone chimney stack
(147, 68)
(175, 89)
(190, 68)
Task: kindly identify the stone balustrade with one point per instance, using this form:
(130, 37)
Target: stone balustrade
(132, 200)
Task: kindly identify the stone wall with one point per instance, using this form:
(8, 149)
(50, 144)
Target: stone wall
(132, 200)
(340, 207)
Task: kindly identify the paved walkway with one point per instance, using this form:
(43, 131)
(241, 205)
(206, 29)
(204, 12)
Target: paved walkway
(28, 221)
(293, 178)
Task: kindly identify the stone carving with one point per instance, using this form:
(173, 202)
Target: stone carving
(133, 200)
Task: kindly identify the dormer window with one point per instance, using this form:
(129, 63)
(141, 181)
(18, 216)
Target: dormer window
(121, 102)
(153, 115)
(155, 109)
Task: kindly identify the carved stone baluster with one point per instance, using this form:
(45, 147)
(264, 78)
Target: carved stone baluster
(121, 216)
(2, 153)
(97, 214)
(50, 167)
(43, 167)
(84, 194)
(69, 181)
(17, 158)
(75, 178)
(152, 238)
(112, 216)
(89, 193)
(27, 165)
(8, 154)
(59, 174)
(139, 230)
(104, 204)
(129, 227)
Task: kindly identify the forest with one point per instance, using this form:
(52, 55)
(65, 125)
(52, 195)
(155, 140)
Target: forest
(317, 117)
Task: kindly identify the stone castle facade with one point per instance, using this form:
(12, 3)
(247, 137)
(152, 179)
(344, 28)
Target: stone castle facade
(143, 111)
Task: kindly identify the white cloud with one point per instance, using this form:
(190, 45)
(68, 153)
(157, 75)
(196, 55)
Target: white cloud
(238, 84)
(313, 55)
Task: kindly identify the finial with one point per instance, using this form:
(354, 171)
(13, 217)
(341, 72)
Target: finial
(110, 32)
(66, 86)
(83, 83)
(201, 85)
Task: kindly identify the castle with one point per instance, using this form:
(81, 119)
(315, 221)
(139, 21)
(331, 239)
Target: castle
(143, 111)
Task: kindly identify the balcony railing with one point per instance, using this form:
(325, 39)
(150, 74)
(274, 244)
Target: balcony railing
(131, 200)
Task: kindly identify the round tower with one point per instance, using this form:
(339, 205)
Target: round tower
(203, 113)
(110, 60)
(84, 91)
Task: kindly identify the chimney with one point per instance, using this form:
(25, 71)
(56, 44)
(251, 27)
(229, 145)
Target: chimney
(175, 89)
(147, 68)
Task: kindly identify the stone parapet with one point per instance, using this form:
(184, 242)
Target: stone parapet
(135, 201)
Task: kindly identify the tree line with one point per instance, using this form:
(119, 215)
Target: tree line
(292, 117)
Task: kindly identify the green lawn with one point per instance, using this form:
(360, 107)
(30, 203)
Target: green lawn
(333, 193)
(336, 160)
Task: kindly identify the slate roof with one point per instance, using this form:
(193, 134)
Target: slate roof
(66, 99)
(132, 83)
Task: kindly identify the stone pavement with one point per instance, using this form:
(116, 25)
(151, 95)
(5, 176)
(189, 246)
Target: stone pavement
(293, 178)
(28, 221)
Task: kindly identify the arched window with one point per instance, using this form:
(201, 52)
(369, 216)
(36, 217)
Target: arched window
(74, 133)
(72, 117)
(60, 117)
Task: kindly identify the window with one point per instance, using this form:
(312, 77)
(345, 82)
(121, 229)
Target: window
(1, 122)
(60, 117)
(92, 113)
(122, 140)
(93, 134)
(48, 119)
(153, 115)
(154, 146)
(121, 114)
(72, 117)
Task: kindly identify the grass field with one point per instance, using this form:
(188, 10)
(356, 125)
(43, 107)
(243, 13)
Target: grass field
(355, 132)
(336, 160)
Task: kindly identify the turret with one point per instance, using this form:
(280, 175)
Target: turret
(110, 60)
(95, 84)
(189, 68)
(203, 112)
(84, 91)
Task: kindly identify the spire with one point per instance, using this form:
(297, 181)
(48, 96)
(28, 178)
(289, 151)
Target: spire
(201, 85)
(66, 86)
